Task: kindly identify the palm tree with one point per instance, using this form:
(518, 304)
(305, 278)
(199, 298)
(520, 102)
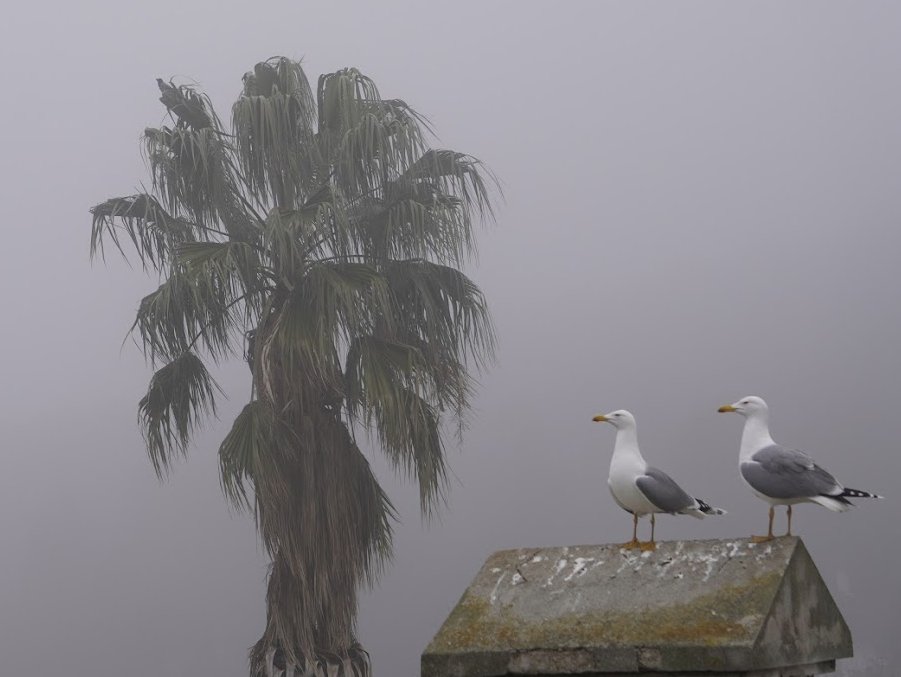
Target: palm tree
(321, 238)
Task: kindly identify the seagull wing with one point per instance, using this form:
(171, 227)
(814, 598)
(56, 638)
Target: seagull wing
(778, 472)
(662, 490)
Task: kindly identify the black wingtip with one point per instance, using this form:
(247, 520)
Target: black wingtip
(857, 493)
(708, 509)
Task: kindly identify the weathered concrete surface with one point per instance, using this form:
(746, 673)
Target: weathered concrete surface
(712, 607)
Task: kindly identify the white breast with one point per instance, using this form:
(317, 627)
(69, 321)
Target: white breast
(624, 470)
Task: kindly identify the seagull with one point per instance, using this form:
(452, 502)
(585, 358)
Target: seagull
(783, 476)
(642, 489)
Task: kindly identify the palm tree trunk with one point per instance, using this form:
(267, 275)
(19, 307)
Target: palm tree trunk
(311, 518)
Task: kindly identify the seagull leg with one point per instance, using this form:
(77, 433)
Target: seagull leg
(789, 514)
(652, 544)
(769, 534)
(634, 542)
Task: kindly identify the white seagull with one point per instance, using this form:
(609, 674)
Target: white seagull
(642, 489)
(783, 476)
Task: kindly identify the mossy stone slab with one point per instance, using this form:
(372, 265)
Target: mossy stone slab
(715, 607)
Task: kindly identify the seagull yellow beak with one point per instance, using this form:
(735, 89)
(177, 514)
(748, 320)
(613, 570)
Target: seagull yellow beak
(726, 408)
(600, 418)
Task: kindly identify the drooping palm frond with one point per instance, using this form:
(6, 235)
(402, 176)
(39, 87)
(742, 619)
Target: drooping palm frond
(190, 107)
(153, 232)
(323, 236)
(179, 398)
(294, 239)
(297, 344)
(232, 266)
(249, 444)
(344, 296)
(455, 174)
(184, 310)
(365, 140)
(342, 99)
(273, 121)
(191, 172)
(391, 388)
(443, 307)
(409, 429)
(379, 369)
(426, 211)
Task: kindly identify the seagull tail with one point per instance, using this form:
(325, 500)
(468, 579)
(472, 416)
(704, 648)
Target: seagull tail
(708, 509)
(839, 502)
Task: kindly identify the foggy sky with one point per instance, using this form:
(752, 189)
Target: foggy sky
(701, 202)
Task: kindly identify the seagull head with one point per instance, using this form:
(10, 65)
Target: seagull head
(618, 419)
(746, 406)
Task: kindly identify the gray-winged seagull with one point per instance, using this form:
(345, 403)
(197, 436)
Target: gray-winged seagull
(782, 476)
(642, 489)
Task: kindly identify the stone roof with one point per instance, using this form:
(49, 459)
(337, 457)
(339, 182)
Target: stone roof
(716, 605)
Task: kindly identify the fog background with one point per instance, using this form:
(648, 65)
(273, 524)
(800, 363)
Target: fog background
(702, 202)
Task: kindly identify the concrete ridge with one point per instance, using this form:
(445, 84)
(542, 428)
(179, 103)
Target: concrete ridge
(718, 604)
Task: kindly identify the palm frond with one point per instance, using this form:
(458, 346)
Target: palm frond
(365, 139)
(409, 228)
(184, 310)
(376, 370)
(449, 382)
(386, 388)
(299, 343)
(455, 174)
(190, 170)
(293, 238)
(179, 397)
(249, 444)
(342, 98)
(234, 266)
(190, 107)
(330, 304)
(378, 147)
(442, 306)
(153, 232)
(273, 121)
(344, 296)
(427, 210)
(411, 434)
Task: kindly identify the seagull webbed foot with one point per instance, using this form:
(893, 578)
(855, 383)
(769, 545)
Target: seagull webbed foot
(648, 546)
(762, 539)
(631, 545)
